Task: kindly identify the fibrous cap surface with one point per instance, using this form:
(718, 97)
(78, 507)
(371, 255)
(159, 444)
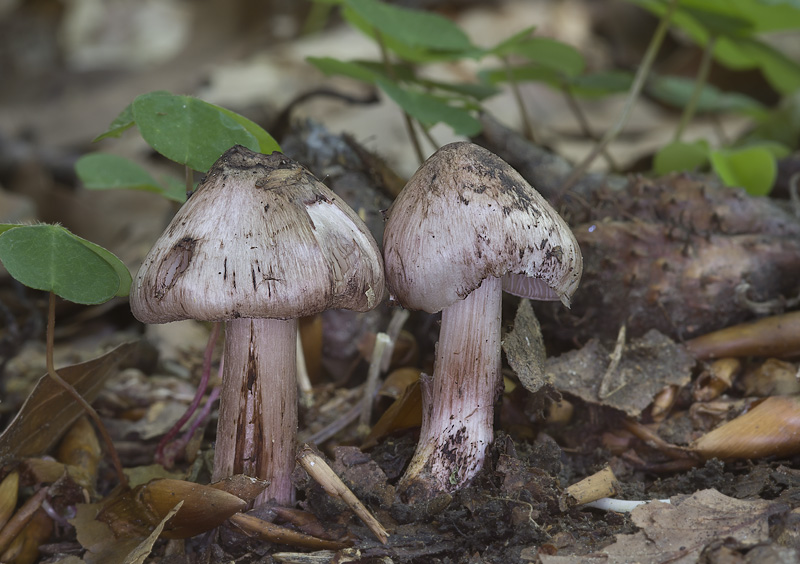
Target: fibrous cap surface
(466, 215)
(260, 237)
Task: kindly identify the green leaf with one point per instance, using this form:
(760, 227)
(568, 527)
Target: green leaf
(412, 27)
(677, 91)
(350, 69)
(50, 258)
(753, 168)
(468, 90)
(430, 110)
(722, 21)
(101, 171)
(266, 143)
(681, 156)
(552, 54)
(524, 73)
(123, 274)
(738, 46)
(188, 130)
(782, 72)
(120, 123)
(506, 46)
(175, 189)
(601, 84)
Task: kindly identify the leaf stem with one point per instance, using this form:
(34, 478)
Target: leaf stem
(412, 134)
(51, 371)
(699, 83)
(633, 97)
(189, 181)
(527, 127)
(165, 451)
(583, 123)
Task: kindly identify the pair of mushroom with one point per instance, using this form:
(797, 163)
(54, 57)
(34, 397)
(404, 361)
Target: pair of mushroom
(262, 242)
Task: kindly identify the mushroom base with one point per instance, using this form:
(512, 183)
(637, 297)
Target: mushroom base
(458, 402)
(258, 405)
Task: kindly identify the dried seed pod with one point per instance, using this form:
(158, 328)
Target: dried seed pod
(398, 381)
(716, 379)
(137, 511)
(771, 336)
(771, 428)
(772, 378)
(9, 490)
(708, 415)
(663, 402)
(25, 548)
(81, 448)
(560, 412)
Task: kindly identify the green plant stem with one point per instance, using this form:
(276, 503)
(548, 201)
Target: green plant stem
(699, 83)
(527, 127)
(583, 123)
(633, 97)
(427, 133)
(189, 180)
(317, 18)
(51, 371)
(412, 134)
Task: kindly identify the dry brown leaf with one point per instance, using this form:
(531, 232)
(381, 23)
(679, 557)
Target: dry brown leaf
(404, 413)
(49, 410)
(524, 348)
(647, 366)
(677, 532)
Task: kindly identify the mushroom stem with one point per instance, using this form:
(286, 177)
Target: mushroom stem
(458, 403)
(258, 403)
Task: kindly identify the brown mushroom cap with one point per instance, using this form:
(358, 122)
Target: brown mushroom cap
(260, 237)
(466, 215)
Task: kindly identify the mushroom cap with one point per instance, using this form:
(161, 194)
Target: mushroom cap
(260, 237)
(466, 215)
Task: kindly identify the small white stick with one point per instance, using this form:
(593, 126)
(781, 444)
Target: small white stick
(620, 505)
(303, 381)
(382, 341)
(399, 318)
(318, 469)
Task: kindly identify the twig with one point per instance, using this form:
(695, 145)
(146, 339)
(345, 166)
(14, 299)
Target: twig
(303, 381)
(399, 318)
(699, 84)
(382, 341)
(281, 535)
(21, 518)
(164, 455)
(318, 469)
(633, 97)
(527, 127)
(616, 357)
(390, 73)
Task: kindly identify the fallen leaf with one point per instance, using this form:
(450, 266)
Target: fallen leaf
(647, 366)
(49, 410)
(524, 348)
(677, 532)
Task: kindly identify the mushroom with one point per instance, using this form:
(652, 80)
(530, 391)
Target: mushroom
(464, 228)
(260, 243)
